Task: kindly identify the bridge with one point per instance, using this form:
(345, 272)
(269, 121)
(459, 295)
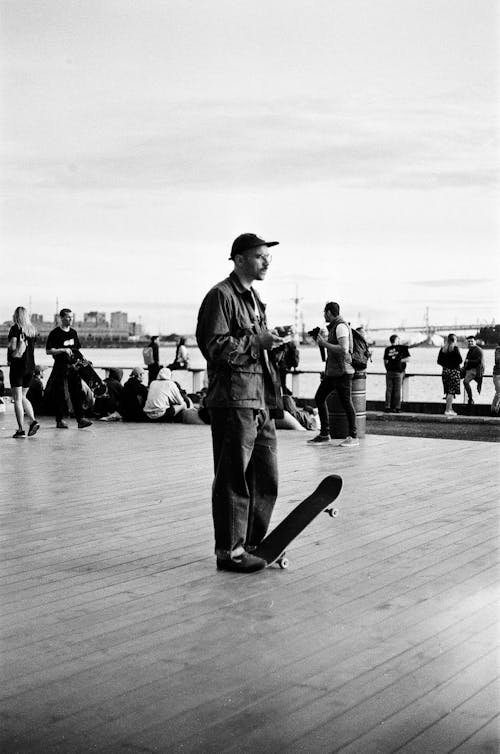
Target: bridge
(431, 328)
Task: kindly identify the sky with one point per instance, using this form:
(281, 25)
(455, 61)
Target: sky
(140, 137)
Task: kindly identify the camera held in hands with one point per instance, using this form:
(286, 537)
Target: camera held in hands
(314, 334)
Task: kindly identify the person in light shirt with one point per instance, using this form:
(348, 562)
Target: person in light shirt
(338, 376)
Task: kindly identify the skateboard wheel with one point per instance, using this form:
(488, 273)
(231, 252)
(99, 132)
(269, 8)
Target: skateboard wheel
(333, 512)
(283, 562)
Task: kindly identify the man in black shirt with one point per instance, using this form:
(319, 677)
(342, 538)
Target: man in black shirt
(61, 344)
(395, 360)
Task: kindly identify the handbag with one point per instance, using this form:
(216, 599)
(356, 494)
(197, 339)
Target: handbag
(21, 347)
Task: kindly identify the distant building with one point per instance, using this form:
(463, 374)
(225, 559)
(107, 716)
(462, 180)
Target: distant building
(95, 318)
(119, 322)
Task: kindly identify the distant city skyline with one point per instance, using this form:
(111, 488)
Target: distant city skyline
(138, 142)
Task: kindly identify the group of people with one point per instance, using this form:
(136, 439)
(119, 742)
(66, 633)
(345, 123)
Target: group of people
(454, 369)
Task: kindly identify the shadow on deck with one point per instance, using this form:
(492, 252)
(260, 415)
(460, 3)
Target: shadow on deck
(119, 635)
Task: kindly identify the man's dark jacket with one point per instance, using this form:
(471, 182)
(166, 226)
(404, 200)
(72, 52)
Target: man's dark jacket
(239, 374)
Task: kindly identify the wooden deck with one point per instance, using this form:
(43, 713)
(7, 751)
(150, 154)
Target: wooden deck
(118, 634)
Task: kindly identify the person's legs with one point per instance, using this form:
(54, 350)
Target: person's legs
(344, 392)
(397, 385)
(234, 435)
(75, 393)
(59, 395)
(388, 389)
(326, 386)
(17, 396)
(495, 405)
(262, 480)
(28, 408)
(469, 376)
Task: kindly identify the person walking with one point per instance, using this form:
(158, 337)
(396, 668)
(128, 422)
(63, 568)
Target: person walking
(396, 358)
(450, 358)
(21, 358)
(338, 377)
(243, 400)
(61, 343)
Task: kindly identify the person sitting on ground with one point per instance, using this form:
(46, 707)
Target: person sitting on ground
(297, 418)
(181, 360)
(164, 402)
(449, 358)
(108, 404)
(36, 390)
(473, 368)
(133, 397)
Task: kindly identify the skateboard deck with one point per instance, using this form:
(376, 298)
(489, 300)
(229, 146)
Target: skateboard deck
(272, 548)
(88, 374)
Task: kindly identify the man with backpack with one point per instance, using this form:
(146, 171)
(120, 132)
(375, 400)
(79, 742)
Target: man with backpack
(339, 372)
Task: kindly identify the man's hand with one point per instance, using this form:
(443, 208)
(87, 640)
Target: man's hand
(268, 340)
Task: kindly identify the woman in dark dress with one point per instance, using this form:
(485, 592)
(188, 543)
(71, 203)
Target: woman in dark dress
(21, 358)
(449, 358)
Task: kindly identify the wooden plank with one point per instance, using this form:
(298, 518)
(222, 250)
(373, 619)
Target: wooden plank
(119, 633)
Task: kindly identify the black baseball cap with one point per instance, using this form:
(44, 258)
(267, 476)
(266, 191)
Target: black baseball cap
(248, 241)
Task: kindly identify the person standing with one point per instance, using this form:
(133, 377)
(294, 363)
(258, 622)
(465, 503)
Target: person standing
(450, 358)
(339, 374)
(61, 343)
(243, 399)
(473, 367)
(21, 358)
(495, 405)
(396, 358)
(151, 355)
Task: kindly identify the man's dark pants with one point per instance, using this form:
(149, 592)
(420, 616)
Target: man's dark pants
(245, 485)
(343, 386)
(393, 389)
(60, 378)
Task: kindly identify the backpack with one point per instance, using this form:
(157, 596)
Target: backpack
(147, 354)
(360, 351)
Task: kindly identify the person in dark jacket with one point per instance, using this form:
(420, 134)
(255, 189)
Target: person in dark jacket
(450, 358)
(133, 397)
(109, 403)
(243, 399)
(473, 367)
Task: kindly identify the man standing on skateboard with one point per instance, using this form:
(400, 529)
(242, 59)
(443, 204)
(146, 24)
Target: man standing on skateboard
(243, 399)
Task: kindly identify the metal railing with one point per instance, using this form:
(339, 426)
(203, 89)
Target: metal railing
(197, 377)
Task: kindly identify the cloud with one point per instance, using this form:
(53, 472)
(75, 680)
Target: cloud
(453, 283)
(178, 145)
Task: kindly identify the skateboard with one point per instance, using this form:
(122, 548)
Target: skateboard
(88, 374)
(272, 548)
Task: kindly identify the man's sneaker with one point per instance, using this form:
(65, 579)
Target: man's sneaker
(84, 423)
(450, 413)
(19, 433)
(349, 442)
(244, 563)
(61, 425)
(319, 439)
(34, 427)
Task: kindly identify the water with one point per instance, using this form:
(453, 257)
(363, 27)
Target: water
(423, 361)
